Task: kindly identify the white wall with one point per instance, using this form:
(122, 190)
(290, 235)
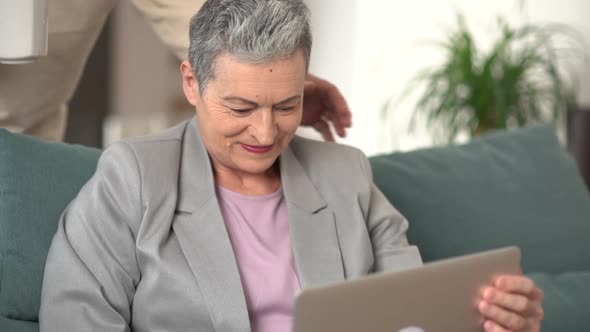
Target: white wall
(371, 49)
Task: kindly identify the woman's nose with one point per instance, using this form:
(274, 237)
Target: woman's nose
(264, 128)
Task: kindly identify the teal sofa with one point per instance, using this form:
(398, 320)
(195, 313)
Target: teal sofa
(512, 188)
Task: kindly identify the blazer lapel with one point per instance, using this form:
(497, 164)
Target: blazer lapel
(313, 229)
(204, 240)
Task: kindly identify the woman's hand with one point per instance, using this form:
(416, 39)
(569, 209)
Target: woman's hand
(511, 303)
(322, 104)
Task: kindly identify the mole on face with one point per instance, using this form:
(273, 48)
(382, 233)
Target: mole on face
(271, 70)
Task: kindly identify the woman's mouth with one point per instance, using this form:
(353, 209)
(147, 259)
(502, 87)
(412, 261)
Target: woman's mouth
(257, 148)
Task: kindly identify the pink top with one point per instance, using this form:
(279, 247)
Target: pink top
(259, 234)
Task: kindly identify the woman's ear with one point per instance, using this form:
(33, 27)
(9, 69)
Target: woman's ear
(190, 85)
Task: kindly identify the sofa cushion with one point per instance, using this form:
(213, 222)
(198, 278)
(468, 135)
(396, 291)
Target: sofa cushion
(567, 301)
(37, 180)
(15, 325)
(516, 187)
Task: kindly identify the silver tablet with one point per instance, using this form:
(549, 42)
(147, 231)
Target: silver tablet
(439, 296)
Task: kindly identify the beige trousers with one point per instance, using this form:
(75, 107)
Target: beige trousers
(34, 97)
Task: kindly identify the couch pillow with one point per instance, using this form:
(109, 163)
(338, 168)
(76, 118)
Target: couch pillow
(517, 187)
(567, 301)
(15, 325)
(37, 181)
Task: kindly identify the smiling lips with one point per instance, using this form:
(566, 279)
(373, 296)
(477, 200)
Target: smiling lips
(257, 148)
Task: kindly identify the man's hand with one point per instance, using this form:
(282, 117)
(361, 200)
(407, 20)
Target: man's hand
(324, 104)
(511, 303)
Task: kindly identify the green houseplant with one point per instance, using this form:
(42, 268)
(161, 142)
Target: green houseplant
(520, 80)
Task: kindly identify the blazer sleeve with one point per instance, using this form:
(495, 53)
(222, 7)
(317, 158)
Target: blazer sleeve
(91, 270)
(170, 19)
(387, 228)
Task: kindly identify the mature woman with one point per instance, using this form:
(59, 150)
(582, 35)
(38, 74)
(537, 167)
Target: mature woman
(218, 223)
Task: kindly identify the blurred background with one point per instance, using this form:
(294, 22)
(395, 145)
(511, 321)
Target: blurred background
(372, 50)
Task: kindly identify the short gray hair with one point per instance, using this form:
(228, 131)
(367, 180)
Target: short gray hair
(253, 31)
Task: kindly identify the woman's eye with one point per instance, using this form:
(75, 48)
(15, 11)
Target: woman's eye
(241, 110)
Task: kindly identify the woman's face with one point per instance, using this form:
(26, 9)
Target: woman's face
(248, 113)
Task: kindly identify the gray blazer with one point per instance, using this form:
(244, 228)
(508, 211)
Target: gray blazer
(143, 247)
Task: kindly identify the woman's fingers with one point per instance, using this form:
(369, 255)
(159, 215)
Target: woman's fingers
(518, 284)
(503, 318)
(513, 302)
(490, 326)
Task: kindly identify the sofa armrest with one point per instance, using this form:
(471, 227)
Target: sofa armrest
(567, 301)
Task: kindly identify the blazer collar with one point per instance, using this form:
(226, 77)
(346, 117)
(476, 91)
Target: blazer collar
(196, 182)
(297, 186)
